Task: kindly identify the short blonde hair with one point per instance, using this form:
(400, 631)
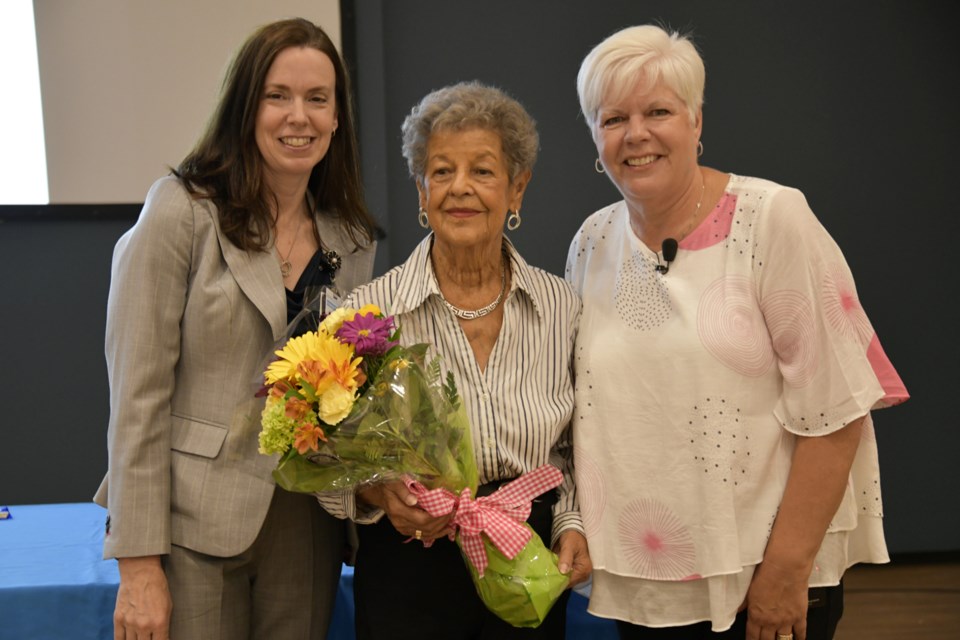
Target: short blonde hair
(644, 53)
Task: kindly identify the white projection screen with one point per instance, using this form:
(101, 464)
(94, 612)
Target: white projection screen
(127, 86)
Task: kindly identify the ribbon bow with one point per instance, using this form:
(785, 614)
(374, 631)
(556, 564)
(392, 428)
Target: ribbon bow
(500, 515)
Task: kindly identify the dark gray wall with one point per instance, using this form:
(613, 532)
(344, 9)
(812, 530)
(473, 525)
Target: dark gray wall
(53, 377)
(848, 101)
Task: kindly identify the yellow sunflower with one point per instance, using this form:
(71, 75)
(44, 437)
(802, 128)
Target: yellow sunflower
(309, 346)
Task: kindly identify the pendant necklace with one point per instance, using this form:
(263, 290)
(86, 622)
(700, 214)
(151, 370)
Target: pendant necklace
(285, 266)
(696, 212)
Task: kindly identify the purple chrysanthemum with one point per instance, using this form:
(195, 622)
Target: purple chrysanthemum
(368, 334)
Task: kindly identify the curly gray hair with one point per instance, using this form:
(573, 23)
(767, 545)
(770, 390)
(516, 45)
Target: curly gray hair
(469, 105)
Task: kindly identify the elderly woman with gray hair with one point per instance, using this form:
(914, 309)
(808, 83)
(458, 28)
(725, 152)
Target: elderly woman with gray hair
(506, 331)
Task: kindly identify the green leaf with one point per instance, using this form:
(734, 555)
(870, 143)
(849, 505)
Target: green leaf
(450, 390)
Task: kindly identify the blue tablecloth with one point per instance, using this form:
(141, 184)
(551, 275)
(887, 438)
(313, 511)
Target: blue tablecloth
(54, 584)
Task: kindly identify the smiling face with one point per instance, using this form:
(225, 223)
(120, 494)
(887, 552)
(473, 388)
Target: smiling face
(297, 114)
(466, 188)
(648, 144)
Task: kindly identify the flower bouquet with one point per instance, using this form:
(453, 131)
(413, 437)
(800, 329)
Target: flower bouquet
(347, 405)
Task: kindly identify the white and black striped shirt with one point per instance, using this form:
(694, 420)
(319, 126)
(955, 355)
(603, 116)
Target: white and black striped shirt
(520, 406)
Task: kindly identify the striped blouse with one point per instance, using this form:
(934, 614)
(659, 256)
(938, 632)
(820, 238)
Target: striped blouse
(521, 405)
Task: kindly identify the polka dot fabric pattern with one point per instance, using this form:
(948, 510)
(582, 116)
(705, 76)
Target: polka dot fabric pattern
(718, 443)
(642, 299)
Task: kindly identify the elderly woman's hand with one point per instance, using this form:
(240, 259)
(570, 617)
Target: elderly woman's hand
(777, 603)
(573, 556)
(401, 507)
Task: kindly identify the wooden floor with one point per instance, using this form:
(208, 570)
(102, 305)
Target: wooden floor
(903, 600)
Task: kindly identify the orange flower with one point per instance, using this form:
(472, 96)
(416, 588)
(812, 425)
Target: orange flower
(348, 373)
(279, 389)
(318, 376)
(296, 408)
(322, 374)
(308, 437)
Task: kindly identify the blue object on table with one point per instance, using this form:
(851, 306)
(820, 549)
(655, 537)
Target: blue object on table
(54, 584)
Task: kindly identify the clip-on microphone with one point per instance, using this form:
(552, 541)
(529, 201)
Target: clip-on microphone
(669, 249)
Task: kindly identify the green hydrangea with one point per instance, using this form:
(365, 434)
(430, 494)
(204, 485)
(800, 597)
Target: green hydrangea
(277, 433)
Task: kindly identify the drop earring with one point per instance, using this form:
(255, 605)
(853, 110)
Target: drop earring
(513, 220)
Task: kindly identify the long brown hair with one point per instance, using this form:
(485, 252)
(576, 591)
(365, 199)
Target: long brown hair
(226, 165)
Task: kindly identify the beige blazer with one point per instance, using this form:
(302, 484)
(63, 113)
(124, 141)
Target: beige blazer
(190, 321)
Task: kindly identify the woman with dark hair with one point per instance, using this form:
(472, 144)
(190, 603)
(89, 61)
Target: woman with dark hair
(266, 207)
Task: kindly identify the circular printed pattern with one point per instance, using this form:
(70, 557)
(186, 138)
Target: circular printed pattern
(641, 297)
(790, 321)
(842, 307)
(655, 542)
(732, 328)
(591, 491)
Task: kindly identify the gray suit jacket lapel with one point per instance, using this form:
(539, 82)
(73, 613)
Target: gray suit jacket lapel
(356, 264)
(258, 275)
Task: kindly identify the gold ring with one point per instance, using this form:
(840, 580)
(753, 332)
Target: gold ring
(784, 636)
(419, 534)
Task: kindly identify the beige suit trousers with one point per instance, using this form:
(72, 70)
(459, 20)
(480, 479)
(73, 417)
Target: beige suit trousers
(282, 588)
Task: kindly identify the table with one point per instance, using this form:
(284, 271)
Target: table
(54, 584)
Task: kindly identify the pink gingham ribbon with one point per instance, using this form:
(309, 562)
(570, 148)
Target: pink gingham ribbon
(500, 515)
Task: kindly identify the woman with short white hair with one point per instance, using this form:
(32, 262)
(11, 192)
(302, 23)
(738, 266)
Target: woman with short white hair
(725, 371)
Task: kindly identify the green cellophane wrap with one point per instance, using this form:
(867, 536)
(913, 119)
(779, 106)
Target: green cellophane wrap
(520, 591)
